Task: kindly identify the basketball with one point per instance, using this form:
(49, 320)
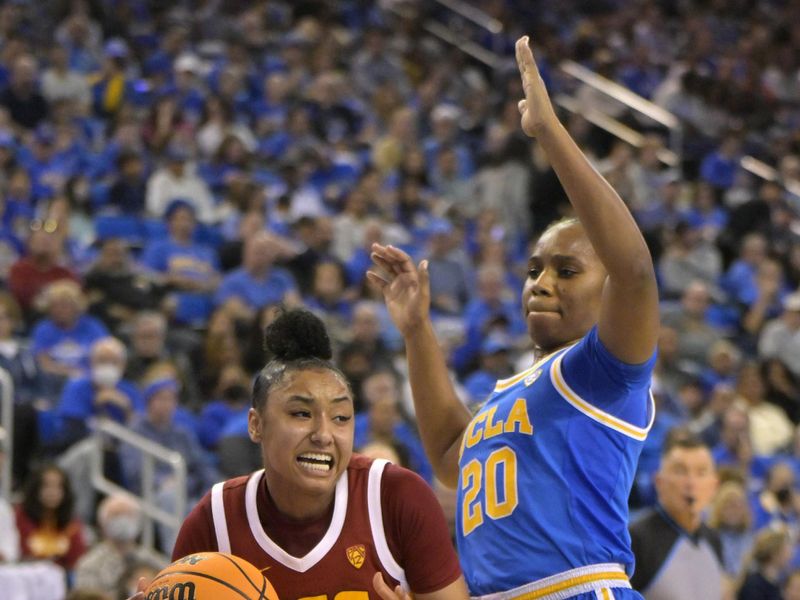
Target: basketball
(210, 576)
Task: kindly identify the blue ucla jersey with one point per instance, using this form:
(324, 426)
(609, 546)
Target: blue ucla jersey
(546, 467)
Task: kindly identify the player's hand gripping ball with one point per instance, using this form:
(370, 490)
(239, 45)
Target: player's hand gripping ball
(210, 576)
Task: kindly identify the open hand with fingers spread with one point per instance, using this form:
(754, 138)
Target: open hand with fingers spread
(536, 109)
(405, 287)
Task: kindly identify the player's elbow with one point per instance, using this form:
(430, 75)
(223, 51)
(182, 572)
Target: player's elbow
(638, 273)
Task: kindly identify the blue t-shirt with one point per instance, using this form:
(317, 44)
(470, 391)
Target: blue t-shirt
(255, 293)
(78, 400)
(195, 261)
(214, 420)
(405, 436)
(69, 347)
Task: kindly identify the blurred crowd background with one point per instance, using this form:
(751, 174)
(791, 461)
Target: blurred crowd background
(172, 172)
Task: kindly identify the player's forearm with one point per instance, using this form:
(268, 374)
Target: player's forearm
(608, 223)
(441, 416)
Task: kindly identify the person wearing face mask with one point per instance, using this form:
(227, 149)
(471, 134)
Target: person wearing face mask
(119, 520)
(103, 392)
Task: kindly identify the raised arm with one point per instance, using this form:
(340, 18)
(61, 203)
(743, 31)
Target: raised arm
(628, 323)
(441, 416)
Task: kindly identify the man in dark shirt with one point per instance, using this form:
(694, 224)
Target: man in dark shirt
(677, 556)
(116, 288)
(128, 191)
(22, 98)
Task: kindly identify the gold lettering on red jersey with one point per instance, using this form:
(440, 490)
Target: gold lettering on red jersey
(356, 555)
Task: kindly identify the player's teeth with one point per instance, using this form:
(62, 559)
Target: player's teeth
(314, 461)
(317, 456)
(315, 466)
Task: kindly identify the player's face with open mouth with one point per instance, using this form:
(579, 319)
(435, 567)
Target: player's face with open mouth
(306, 432)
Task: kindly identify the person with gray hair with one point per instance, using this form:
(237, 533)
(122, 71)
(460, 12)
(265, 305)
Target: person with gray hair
(103, 392)
(152, 345)
(119, 520)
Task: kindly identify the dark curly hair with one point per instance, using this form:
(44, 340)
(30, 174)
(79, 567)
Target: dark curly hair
(295, 341)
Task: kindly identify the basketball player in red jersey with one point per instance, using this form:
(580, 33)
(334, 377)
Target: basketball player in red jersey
(322, 522)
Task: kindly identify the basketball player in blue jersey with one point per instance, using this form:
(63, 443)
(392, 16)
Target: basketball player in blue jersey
(544, 469)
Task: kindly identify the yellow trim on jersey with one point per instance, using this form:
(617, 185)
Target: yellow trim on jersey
(504, 384)
(637, 433)
(570, 583)
(591, 578)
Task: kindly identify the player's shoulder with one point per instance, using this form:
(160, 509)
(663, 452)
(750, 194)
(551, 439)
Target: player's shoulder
(230, 487)
(392, 477)
(359, 463)
(406, 488)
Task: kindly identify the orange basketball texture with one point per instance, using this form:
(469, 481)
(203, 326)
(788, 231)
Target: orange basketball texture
(210, 576)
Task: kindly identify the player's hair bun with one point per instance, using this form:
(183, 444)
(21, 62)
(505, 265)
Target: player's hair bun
(297, 334)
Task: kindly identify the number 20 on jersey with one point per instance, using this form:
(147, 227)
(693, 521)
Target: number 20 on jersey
(490, 488)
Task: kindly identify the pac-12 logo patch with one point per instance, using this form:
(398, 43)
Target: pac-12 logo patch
(356, 555)
(532, 377)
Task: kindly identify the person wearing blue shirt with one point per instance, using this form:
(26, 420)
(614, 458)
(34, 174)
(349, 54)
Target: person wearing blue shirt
(494, 364)
(383, 421)
(61, 341)
(191, 269)
(233, 401)
(158, 425)
(543, 471)
(258, 282)
(101, 393)
(720, 167)
(491, 308)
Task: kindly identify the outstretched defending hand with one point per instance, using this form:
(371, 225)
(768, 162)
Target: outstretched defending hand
(536, 109)
(405, 288)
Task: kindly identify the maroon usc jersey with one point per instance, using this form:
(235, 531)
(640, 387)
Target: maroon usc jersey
(384, 518)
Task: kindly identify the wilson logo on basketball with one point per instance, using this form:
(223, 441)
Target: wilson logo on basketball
(356, 555)
(177, 591)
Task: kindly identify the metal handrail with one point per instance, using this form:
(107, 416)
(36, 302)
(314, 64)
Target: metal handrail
(152, 452)
(620, 93)
(632, 100)
(614, 127)
(473, 14)
(7, 423)
(476, 51)
(658, 114)
(761, 169)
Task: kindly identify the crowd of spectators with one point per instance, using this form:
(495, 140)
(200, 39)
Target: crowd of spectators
(172, 172)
